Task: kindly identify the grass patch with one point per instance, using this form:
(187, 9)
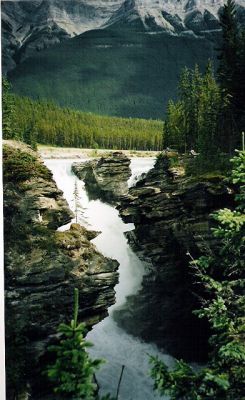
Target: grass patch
(19, 166)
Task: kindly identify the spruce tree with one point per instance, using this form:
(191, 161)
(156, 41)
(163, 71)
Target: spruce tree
(240, 82)
(30, 135)
(8, 110)
(174, 129)
(73, 370)
(229, 48)
(231, 74)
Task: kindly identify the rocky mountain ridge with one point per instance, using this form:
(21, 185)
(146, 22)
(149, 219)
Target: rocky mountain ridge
(29, 26)
(170, 16)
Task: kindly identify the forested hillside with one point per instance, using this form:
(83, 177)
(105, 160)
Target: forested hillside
(44, 122)
(112, 72)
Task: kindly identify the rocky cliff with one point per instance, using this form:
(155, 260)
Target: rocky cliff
(43, 266)
(105, 178)
(172, 219)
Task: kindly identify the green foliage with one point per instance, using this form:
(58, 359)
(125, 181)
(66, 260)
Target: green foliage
(110, 72)
(227, 67)
(222, 275)
(238, 178)
(8, 110)
(46, 123)
(29, 135)
(210, 116)
(208, 164)
(231, 73)
(20, 165)
(73, 370)
(193, 121)
(174, 126)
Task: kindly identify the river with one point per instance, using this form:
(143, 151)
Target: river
(111, 342)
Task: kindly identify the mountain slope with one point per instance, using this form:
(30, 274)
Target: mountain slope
(33, 25)
(112, 72)
(128, 67)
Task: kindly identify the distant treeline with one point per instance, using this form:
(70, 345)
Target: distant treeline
(45, 122)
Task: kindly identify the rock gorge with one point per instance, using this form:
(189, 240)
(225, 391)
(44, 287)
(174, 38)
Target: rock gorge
(171, 213)
(43, 266)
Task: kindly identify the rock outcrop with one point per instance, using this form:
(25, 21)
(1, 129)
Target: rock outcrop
(106, 178)
(172, 219)
(42, 268)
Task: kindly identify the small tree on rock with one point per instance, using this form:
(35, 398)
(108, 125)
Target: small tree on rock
(73, 371)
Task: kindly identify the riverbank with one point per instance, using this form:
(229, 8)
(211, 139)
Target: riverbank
(49, 152)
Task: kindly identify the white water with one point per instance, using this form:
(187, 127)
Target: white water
(111, 342)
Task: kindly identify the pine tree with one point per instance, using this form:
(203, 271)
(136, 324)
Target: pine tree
(185, 97)
(30, 135)
(228, 54)
(174, 129)
(240, 82)
(193, 122)
(231, 73)
(209, 112)
(73, 371)
(8, 110)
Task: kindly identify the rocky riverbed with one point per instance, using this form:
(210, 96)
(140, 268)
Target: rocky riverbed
(43, 266)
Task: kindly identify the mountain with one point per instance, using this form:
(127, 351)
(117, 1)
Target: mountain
(127, 60)
(112, 72)
(33, 25)
(173, 17)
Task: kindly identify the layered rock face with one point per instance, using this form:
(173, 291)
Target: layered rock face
(106, 178)
(42, 268)
(171, 214)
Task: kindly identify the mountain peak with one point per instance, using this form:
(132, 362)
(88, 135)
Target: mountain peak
(30, 25)
(166, 15)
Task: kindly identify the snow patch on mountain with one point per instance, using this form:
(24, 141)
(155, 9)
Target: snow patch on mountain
(173, 16)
